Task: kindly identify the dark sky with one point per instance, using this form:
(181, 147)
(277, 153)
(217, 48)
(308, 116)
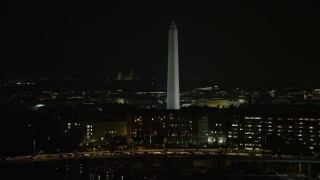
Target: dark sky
(220, 41)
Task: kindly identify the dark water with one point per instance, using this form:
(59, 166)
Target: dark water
(156, 169)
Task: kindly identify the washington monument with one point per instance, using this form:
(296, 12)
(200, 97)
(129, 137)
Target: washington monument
(173, 96)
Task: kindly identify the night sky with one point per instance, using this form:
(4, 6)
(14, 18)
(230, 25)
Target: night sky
(220, 41)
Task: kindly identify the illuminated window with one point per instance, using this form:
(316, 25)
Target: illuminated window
(252, 118)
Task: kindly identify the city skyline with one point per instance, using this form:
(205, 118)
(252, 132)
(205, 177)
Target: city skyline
(93, 90)
(264, 41)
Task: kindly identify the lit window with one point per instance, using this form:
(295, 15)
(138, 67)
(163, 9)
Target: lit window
(252, 118)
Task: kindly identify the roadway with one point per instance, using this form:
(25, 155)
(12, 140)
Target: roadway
(145, 155)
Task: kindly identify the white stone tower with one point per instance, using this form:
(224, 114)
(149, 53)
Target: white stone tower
(173, 93)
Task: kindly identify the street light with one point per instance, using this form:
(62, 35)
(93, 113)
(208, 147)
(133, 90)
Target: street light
(34, 139)
(174, 140)
(34, 146)
(150, 141)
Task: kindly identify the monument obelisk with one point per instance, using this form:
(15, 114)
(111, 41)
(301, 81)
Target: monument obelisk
(173, 95)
